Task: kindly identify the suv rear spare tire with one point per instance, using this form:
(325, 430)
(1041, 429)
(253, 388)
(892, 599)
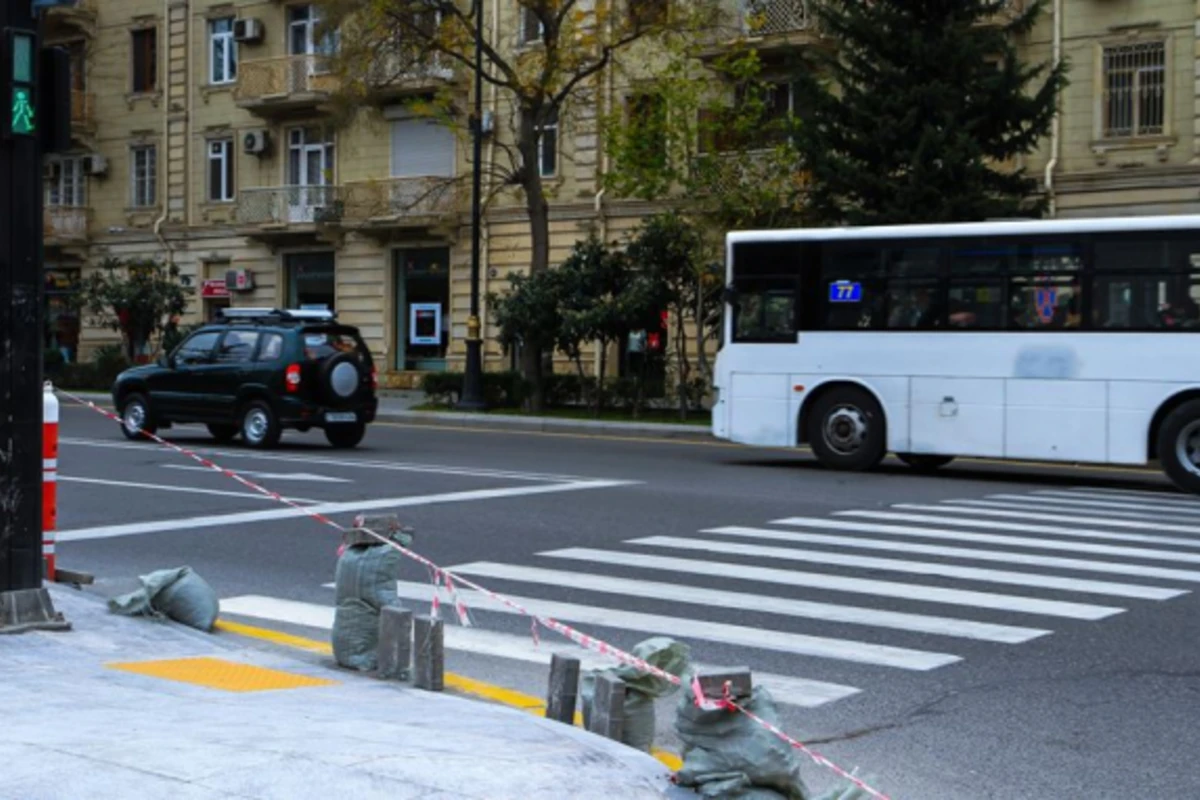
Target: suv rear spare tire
(846, 429)
(341, 378)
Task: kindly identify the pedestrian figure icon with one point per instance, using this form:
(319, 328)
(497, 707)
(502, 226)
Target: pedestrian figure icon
(22, 112)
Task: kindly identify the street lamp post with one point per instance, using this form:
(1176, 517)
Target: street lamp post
(471, 398)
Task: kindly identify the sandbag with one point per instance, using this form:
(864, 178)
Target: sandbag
(356, 635)
(728, 755)
(179, 594)
(366, 582)
(641, 688)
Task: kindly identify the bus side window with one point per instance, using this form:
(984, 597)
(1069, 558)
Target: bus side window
(1044, 286)
(1147, 285)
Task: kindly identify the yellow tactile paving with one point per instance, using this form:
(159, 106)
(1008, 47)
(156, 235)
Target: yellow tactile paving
(216, 673)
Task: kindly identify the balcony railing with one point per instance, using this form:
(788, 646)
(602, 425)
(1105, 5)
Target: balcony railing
(400, 199)
(769, 17)
(398, 70)
(270, 79)
(290, 205)
(65, 223)
(82, 104)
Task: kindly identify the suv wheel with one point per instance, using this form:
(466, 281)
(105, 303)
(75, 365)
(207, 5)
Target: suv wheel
(260, 426)
(136, 421)
(346, 436)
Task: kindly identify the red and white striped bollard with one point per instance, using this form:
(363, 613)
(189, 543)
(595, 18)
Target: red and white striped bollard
(49, 476)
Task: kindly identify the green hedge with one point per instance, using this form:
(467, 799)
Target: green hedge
(500, 389)
(97, 375)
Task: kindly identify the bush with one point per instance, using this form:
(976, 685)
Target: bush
(500, 389)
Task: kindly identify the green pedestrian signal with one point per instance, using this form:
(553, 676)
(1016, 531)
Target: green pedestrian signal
(23, 121)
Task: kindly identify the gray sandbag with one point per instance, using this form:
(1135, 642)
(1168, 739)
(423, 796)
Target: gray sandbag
(641, 688)
(728, 755)
(179, 594)
(366, 582)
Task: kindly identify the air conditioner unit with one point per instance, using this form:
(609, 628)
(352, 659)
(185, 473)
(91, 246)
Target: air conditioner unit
(249, 31)
(95, 164)
(256, 142)
(239, 280)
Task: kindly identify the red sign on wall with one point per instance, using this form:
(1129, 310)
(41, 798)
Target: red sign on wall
(213, 289)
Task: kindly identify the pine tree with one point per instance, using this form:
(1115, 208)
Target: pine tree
(919, 108)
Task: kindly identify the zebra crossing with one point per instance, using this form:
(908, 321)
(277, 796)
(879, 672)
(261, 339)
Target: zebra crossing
(1003, 570)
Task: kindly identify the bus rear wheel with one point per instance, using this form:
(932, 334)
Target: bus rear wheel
(1179, 446)
(846, 430)
(923, 462)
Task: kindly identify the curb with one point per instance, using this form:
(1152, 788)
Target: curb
(518, 424)
(505, 422)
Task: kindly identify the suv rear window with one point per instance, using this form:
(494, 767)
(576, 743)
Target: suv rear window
(319, 345)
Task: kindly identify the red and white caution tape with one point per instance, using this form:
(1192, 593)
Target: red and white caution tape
(442, 577)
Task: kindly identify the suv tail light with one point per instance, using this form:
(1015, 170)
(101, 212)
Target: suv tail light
(374, 379)
(293, 378)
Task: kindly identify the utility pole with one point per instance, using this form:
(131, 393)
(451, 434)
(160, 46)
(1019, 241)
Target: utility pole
(24, 602)
(471, 397)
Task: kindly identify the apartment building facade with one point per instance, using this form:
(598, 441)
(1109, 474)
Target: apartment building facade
(202, 136)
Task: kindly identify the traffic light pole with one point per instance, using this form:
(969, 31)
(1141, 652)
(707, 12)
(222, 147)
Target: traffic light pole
(24, 602)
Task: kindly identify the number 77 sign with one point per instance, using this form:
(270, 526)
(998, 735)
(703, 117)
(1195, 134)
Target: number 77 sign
(845, 292)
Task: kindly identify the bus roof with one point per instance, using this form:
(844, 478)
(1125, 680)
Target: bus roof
(954, 229)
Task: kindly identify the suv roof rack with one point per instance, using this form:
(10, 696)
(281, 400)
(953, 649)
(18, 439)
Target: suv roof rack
(275, 315)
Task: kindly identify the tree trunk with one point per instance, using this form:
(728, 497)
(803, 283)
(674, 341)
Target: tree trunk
(539, 234)
(683, 367)
(600, 378)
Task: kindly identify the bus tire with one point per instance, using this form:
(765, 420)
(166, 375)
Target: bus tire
(1179, 446)
(923, 462)
(847, 430)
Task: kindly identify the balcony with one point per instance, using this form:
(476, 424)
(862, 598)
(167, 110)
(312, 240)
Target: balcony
(770, 25)
(383, 208)
(284, 211)
(277, 87)
(69, 20)
(83, 120)
(394, 75)
(65, 225)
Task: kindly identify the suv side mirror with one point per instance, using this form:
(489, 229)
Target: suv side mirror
(166, 361)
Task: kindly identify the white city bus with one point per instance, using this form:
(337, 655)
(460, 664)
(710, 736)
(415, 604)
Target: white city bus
(1070, 340)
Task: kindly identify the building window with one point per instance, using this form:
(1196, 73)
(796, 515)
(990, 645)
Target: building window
(648, 114)
(531, 29)
(647, 13)
(144, 176)
(222, 51)
(65, 186)
(220, 170)
(1135, 90)
(144, 47)
(547, 145)
(303, 23)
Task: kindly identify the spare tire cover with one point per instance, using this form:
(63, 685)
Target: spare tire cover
(342, 376)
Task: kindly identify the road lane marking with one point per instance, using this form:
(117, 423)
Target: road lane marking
(959, 507)
(985, 538)
(675, 593)
(1001, 556)
(311, 459)
(326, 509)
(1125, 497)
(476, 641)
(933, 568)
(989, 524)
(266, 476)
(183, 489)
(839, 583)
(1057, 505)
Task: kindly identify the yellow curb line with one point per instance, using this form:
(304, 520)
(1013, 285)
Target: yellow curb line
(497, 694)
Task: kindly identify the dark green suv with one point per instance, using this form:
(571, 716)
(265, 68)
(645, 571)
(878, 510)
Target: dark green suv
(254, 373)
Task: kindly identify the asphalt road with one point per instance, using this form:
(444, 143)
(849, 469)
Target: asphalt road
(994, 631)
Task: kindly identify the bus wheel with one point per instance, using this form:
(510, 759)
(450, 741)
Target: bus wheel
(1179, 446)
(924, 463)
(846, 430)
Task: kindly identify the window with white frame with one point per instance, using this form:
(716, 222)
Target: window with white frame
(531, 29)
(1135, 90)
(547, 145)
(143, 175)
(222, 51)
(220, 170)
(66, 185)
(303, 23)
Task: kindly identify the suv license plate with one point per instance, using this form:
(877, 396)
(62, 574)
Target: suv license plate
(341, 416)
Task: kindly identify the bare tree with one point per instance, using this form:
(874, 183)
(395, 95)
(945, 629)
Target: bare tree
(543, 59)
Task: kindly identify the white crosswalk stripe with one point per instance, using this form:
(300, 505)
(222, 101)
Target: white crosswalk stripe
(1047, 546)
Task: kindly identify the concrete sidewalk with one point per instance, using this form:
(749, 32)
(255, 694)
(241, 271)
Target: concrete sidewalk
(398, 407)
(120, 708)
